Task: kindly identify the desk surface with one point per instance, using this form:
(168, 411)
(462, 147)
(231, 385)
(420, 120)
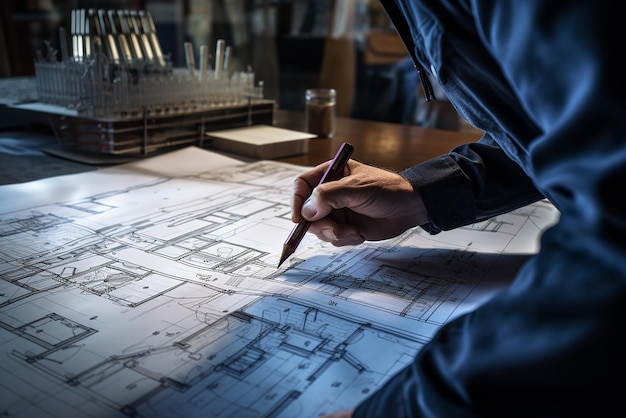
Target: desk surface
(388, 145)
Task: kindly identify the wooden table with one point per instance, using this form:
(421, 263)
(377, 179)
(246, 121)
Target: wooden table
(387, 145)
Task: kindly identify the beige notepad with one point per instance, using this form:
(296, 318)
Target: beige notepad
(261, 141)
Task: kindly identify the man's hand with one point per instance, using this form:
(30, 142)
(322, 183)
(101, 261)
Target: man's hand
(368, 203)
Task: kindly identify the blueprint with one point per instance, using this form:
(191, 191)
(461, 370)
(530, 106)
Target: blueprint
(152, 290)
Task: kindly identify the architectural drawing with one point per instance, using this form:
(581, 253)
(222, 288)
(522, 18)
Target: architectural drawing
(161, 298)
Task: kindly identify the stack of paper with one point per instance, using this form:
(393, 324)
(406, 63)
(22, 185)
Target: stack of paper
(261, 141)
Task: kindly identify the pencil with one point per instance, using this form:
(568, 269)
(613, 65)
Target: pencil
(332, 173)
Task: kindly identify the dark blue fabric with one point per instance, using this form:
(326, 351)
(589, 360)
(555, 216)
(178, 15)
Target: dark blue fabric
(544, 79)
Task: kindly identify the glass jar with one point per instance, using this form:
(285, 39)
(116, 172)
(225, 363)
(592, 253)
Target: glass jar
(320, 112)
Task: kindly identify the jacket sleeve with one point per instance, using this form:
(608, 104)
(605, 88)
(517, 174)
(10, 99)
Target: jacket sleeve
(472, 183)
(552, 344)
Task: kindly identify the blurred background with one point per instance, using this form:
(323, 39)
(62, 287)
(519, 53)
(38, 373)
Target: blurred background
(290, 45)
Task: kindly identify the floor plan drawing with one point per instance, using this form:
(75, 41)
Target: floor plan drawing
(158, 295)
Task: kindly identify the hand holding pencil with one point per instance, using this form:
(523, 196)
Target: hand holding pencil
(369, 203)
(333, 172)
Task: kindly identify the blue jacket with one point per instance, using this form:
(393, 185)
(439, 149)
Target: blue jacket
(544, 79)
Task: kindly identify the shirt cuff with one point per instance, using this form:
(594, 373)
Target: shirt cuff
(446, 192)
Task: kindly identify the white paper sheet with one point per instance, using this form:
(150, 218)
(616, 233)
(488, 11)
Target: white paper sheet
(151, 290)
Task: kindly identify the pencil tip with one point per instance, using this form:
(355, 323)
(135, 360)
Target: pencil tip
(287, 251)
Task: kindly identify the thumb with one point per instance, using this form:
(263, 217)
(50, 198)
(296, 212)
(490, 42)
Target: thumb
(319, 204)
(309, 211)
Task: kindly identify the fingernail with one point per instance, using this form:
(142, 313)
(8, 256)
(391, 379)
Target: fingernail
(330, 234)
(308, 208)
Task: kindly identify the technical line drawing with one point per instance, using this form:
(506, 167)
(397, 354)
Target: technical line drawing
(162, 298)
